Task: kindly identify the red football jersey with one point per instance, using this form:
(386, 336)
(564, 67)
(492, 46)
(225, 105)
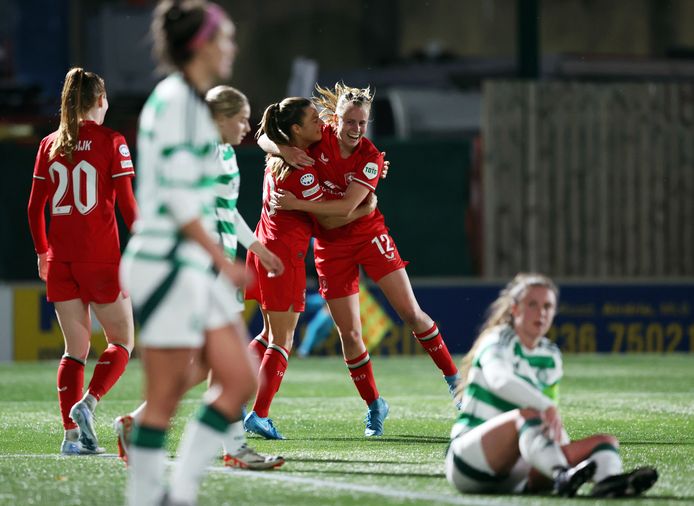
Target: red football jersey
(364, 167)
(81, 194)
(287, 233)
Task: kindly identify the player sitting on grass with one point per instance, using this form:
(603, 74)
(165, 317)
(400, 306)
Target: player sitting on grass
(509, 437)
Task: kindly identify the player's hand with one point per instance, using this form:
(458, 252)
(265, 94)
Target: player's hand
(295, 157)
(283, 199)
(42, 262)
(236, 272)
(386, 166)
(552, 422)
(272, 263)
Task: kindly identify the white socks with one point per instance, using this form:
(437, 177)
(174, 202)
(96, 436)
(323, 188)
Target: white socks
(146, 468)
(607, 460)
(234, 438)
(201, 441)
(541, 452)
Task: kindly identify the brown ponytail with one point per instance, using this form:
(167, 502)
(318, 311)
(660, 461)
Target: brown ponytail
(80, 92)
(277, 126)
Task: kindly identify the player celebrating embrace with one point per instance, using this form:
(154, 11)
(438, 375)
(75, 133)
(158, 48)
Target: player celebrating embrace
(84, 168)
(349, 167)
(509, 436)
(292, 122)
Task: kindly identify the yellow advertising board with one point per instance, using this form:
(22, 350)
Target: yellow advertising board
(37, 334)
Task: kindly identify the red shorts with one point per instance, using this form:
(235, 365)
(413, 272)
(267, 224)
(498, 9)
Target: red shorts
(90, 281)
(280, 293)
(337, 262)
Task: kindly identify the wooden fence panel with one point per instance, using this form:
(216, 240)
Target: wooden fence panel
(589, 180)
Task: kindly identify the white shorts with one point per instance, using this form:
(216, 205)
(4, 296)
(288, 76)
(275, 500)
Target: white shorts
(174, 309)
(232, 296)
(468, 471)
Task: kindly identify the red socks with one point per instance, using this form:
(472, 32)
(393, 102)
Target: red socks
(109, 367)
(270, 377)
(432, 341)
(257, 347)
(70, 383)
(363, 376)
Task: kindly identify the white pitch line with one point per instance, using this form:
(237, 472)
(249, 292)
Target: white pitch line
(276, 476)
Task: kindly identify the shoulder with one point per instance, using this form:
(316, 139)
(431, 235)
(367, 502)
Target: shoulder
(502, 336)
(45, 145)
(109, 133)
(49, 139)
(109, 137)
(368, 150)
(549, 346)
(170, 96)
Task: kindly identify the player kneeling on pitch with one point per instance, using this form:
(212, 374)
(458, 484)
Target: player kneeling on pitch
(509, 437)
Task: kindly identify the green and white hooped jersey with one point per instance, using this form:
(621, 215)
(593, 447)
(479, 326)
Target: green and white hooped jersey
(177, 172)
(539, 368)
(227, 191)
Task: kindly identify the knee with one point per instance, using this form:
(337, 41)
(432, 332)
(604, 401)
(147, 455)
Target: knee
(350, 336)
(284, 340)
(123, 335)
(526, 414)
(607, 439)
(412, 316)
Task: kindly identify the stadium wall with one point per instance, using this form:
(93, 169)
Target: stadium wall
(615, 317)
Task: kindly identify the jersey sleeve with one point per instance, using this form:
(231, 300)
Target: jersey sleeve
(498, 373)
(122, 164)
(368, 171)
(304, 184)
(41, 162)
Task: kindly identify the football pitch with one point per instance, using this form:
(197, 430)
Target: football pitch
(647, 401)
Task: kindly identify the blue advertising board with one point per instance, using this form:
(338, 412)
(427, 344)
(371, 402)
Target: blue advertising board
(592, 317)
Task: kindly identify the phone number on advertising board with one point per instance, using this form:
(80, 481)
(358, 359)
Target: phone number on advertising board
(637, 337)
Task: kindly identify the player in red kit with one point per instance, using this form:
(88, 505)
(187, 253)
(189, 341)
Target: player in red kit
(82, 169)
(295, 122)
(349, 167)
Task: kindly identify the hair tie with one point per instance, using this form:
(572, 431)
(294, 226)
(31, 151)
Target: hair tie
(214, 15)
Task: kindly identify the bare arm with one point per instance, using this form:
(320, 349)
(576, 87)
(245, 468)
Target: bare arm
(293, 156)
(364, 209)
(344, 207)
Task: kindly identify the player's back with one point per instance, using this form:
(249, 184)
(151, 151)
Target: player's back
(82, 194)
(178, 168)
